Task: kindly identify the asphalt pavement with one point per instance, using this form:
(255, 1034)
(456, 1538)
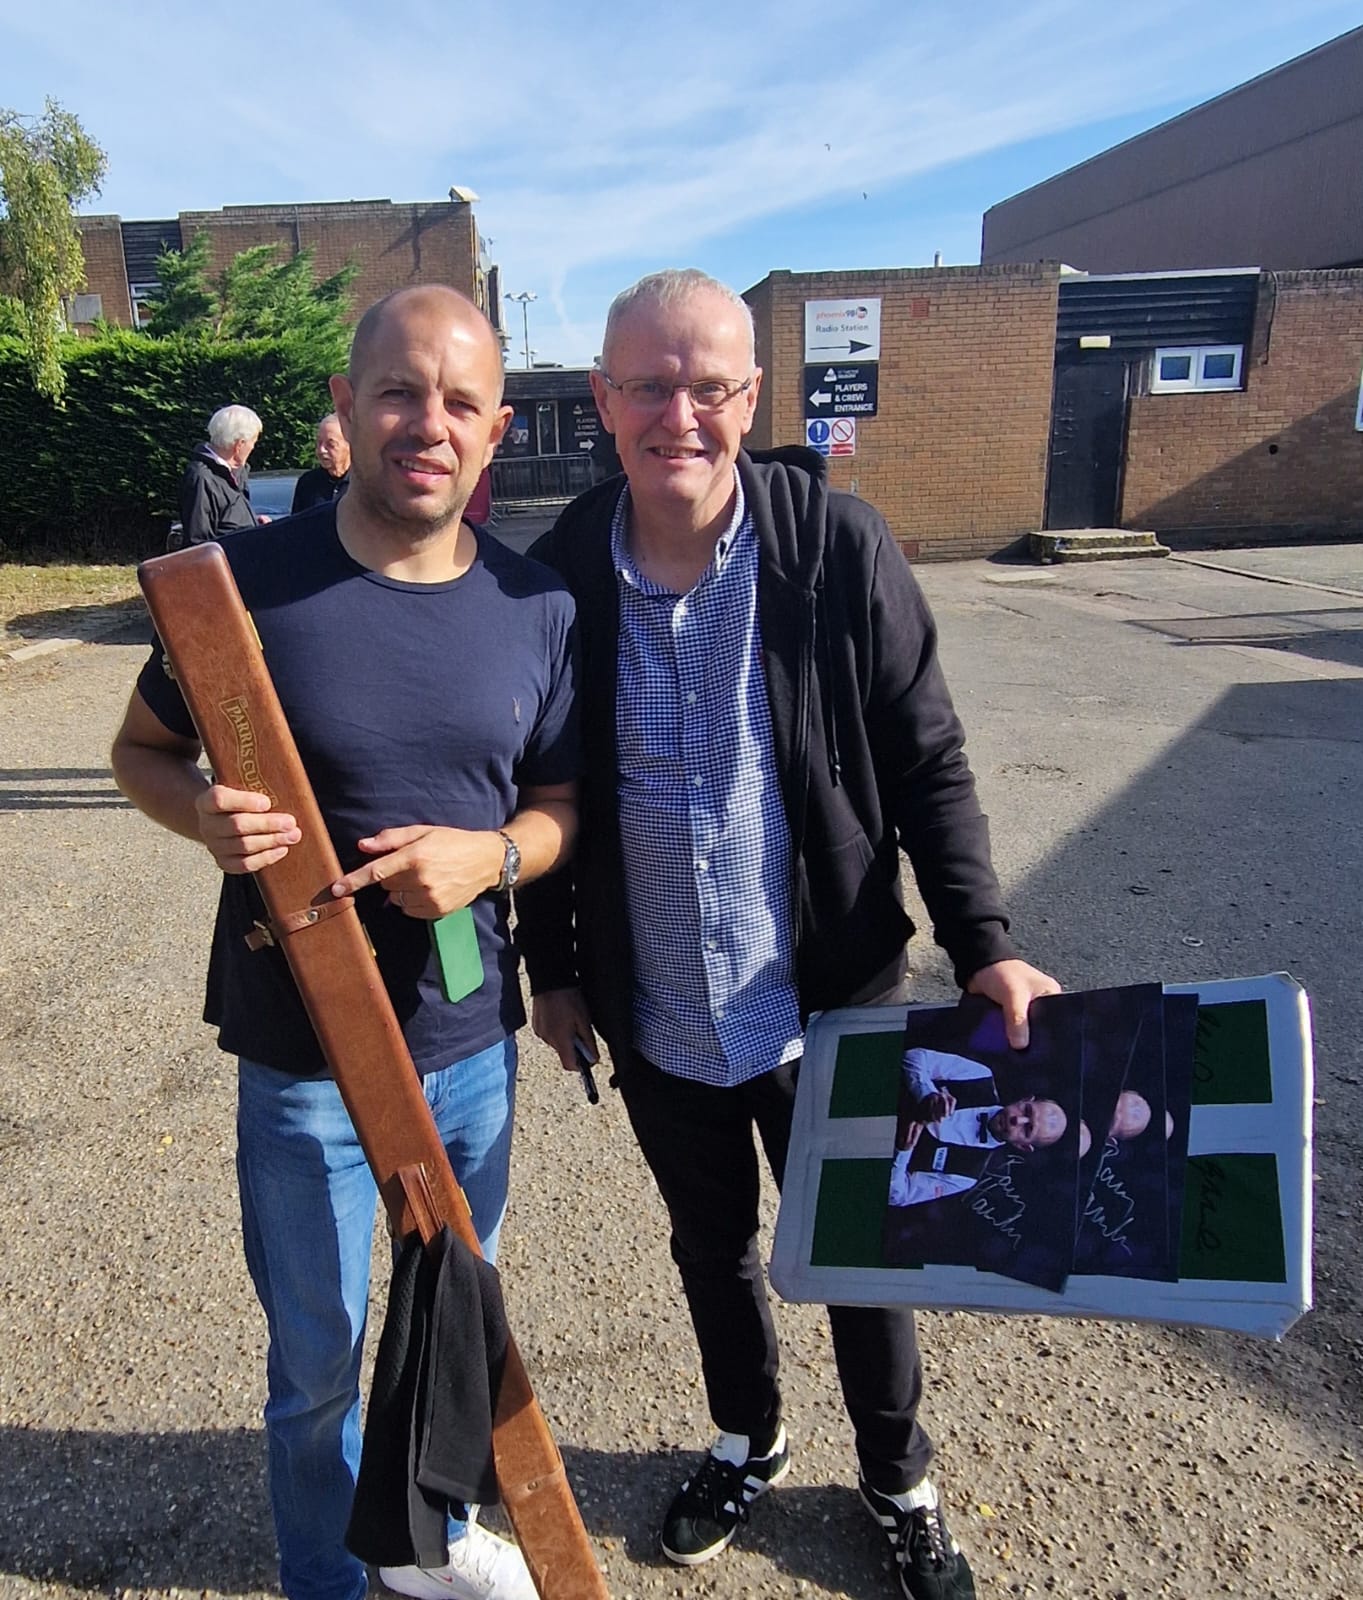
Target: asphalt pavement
(1183, 727)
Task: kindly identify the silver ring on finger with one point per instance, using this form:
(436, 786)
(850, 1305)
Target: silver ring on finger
(401, 899)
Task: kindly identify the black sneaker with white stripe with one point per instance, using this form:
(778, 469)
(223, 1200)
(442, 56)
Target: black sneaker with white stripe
(710, 1505)
(928, 1559)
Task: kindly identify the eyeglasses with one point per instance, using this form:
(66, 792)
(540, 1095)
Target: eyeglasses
(651, 394)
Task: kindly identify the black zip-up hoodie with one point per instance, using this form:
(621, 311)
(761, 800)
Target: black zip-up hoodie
(868, 749)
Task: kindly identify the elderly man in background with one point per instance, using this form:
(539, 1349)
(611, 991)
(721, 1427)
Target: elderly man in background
(215, 496)
(327, 481)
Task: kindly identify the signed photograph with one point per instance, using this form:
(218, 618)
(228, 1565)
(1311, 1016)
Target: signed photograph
(1068, 1156)
(1125, 1220)
(985, 1166)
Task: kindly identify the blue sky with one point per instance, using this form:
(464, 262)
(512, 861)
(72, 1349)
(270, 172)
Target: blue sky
(607, 140)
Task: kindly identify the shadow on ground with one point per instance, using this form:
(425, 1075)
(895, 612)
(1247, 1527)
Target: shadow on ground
(110, 1512)
(1328, 634)
(59, 789)
(1235, 853)
(118, 622)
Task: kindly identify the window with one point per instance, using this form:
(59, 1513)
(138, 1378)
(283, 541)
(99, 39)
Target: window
(1208, 366)
(143, 299)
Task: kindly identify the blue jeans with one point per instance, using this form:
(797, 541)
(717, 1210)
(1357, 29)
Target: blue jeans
(307, 1209)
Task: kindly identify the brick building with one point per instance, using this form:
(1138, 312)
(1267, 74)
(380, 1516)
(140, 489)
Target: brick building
(1281, 456)
(393, 243)
(1203, 405)
(956, 456)
(1218, 406)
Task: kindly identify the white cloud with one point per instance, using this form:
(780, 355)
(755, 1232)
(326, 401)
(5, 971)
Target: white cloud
(611, 132)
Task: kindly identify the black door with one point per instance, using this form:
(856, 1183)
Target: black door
(1088, 425)
(546, 428)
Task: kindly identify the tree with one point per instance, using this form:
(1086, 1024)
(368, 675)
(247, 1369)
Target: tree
(255, 296)
(48, 165)
(184, 302)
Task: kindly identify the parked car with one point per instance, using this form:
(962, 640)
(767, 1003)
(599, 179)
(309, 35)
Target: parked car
(271, 496)
(272, 492)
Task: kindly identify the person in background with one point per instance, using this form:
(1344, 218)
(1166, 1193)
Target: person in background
(329, 480)
(215, 496)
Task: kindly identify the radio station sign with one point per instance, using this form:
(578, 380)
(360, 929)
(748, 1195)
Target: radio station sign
(850, 391)
(842, 330)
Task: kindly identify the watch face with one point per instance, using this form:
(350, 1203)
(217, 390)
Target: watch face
(511, 863)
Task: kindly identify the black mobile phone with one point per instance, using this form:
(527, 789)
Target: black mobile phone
(586, 1063)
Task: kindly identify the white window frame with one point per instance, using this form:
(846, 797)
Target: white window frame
(1197, 379)
(142, 296)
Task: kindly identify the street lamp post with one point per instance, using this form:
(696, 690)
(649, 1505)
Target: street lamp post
(525, 297)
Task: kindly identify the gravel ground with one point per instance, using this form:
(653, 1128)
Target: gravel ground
(1193, 731)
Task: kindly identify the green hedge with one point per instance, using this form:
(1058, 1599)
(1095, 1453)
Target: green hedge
(96, 479)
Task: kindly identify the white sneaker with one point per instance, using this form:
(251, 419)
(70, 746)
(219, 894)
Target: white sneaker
(482, 1567)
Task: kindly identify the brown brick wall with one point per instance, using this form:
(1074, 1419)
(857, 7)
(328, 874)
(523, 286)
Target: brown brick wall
(1281, 454)
(393, 244)
(956, 458)
(101, 243)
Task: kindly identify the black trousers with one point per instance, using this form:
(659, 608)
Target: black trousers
(698, 1142)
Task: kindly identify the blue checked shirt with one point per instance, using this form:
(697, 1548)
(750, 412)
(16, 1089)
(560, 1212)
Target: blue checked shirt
(704, 834)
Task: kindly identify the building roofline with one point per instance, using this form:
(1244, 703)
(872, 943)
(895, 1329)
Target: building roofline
(1168, 272)
(1181, 116)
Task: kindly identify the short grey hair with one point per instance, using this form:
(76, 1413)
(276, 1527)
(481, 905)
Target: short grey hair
(231, 423)
(673, 287)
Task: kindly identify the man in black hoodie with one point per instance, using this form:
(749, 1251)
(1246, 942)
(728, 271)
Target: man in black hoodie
(215, 496)
(765, 726)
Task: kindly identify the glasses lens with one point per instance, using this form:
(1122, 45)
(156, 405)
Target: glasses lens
(646, 393)
(707, 394)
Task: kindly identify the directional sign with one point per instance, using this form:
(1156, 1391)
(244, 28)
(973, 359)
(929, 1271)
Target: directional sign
(846, 391)
(842, 330)
(842, 437)
(818, 434)
(579, 425)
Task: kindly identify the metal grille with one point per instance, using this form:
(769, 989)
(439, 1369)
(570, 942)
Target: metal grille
(540, 477)
(1141, 310)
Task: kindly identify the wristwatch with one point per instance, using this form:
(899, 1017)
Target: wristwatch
(511, 863)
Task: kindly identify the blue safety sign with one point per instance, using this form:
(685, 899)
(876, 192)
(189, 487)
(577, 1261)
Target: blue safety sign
(818, 434)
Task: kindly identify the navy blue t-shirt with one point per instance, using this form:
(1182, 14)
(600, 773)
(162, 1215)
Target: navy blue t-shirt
(410, 703)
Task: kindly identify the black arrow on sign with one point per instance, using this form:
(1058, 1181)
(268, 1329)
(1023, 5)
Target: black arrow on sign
(851, 347)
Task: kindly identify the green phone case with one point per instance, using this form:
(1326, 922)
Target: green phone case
(456, 950)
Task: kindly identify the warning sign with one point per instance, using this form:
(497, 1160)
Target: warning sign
(837, 437)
